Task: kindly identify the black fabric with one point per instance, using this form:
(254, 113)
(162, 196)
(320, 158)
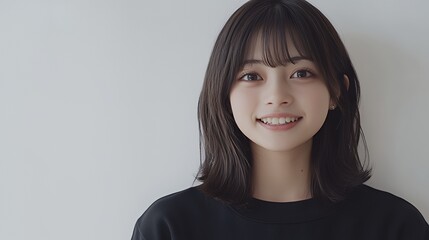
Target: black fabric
(366, 214)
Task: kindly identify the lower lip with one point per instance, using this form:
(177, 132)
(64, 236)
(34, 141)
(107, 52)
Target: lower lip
(282, 127)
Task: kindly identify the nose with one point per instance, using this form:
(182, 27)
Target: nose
(278, 91)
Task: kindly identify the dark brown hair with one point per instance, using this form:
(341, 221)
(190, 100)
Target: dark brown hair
(226, 159)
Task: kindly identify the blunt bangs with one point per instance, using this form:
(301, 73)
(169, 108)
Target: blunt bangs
(276, 31)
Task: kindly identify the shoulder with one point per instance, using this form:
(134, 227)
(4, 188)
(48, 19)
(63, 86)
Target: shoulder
(170, 202)
(386, 210)
(173, 204)
(172, 212)
(373, 198)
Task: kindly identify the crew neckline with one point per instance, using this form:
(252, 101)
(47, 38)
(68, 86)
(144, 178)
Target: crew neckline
(283, 212)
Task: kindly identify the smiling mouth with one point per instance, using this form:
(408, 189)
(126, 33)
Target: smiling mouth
(279, 121)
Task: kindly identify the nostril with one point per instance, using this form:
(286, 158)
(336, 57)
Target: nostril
(281, 103)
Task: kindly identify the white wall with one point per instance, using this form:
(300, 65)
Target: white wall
(98, 105)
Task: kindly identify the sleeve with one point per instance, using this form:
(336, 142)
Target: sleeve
(153, 225)
(137, 235)
(414, 225)
(151, 230)
(417, 231)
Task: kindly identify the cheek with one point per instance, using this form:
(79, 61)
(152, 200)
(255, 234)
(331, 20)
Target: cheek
(318, 100)
(243, 104)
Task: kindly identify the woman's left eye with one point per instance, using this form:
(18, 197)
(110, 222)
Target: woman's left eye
(302, 74)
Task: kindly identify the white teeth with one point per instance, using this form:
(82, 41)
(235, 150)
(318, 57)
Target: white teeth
(275, 121)
(278, 121)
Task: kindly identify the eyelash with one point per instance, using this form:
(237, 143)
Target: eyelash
(250, 74)
(294, 75)
(310, 74)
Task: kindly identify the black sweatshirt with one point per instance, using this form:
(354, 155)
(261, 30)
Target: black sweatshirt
(366, 214)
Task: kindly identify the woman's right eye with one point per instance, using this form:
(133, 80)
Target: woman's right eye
(250, 77)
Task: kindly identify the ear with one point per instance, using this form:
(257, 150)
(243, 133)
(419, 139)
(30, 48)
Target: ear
(346, 81)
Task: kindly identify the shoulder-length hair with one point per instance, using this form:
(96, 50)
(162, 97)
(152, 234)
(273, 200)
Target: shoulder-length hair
(226, 159)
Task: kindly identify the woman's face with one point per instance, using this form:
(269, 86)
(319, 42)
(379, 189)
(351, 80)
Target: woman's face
(281, 108)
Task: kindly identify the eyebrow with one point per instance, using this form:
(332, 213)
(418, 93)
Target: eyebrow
(292, 59)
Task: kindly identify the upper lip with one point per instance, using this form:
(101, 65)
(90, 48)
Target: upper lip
(279, 115)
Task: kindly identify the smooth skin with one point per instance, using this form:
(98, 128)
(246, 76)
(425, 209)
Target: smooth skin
(281, 158)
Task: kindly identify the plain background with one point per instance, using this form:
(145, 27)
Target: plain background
(98, 105)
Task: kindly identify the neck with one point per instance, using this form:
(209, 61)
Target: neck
(279, 176)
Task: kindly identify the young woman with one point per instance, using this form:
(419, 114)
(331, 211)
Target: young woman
(280, 126)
